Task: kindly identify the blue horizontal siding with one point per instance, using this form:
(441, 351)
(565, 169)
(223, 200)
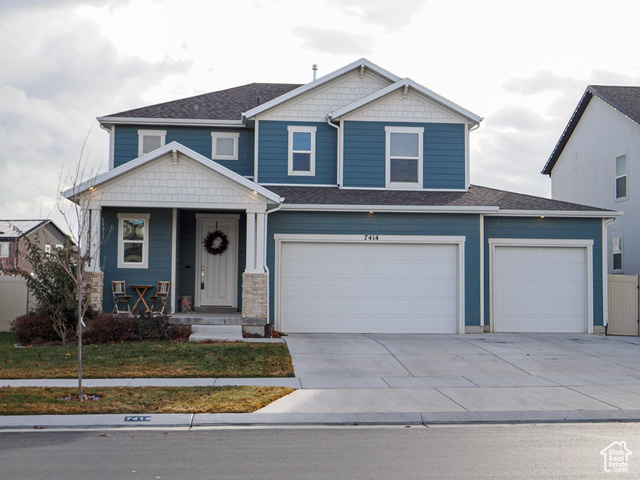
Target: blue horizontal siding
(365, 154)
(386, 224)
(549, 228)
(195, 138)
(273, 152)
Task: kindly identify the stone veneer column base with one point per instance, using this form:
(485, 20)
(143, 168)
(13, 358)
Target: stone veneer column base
(95, 280)
(254, 301)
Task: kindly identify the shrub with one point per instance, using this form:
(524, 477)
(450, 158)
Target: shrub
(107, 328)
(34, 330)
(159, 328)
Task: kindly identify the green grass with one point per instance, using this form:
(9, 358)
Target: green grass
(142, 400)
(146, 359)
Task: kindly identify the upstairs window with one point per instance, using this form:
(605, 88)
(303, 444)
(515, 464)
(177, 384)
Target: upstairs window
(150, 140)
(133, 240)
(224, 145)
(621, 177)
(404, 157)
(4, 249)
(616, 249)
(302, 150)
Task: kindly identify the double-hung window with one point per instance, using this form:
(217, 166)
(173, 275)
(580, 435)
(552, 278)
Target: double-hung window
(621, 177)
(404, 157)
(133, 240)
(150, 140)
(302, 150)
(224, 145)
(616, 249)
(4, 249)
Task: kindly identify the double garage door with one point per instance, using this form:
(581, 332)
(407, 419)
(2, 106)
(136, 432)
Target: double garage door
(369, 287)
(377, 287)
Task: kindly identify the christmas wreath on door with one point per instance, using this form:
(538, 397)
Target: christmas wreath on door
(216, 243)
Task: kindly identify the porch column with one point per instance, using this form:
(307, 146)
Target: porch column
(90, 241)
(254, 279)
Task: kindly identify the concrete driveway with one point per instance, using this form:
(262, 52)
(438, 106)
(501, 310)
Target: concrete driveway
(462, 373)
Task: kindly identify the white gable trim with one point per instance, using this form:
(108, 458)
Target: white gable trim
(174, 148)
(408, 83)
(321, 81)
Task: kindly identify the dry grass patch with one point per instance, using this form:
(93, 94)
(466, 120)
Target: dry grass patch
(140, 400)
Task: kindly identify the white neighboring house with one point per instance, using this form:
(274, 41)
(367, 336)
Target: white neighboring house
(597, 162)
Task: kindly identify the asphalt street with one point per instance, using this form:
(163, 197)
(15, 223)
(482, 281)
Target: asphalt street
(448, 452)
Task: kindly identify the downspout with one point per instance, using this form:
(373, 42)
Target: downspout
(339, 165)
(266, 268)
(112, 140)
(605, 272)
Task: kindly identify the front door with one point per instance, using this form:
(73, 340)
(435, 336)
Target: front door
(217, 272)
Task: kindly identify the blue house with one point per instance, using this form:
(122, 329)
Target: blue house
(342, 205)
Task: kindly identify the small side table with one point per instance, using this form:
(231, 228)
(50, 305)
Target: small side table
(141, 290)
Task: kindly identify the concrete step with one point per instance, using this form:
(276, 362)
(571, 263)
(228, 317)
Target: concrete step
(216, 333)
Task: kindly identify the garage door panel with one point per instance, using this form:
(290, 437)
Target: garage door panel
(369, 287)
(539, 289)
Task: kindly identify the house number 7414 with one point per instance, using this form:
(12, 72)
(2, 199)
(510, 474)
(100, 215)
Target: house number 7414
(371, 237)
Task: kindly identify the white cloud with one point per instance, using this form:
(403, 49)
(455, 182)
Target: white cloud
(392, 15)
(333, 41)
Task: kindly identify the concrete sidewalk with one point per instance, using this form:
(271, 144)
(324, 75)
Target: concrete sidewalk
(416, 379)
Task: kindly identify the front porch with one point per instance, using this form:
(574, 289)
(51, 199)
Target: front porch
(155, 213)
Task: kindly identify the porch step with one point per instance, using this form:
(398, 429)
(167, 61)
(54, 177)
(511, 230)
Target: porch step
(199, 318)
(217, 333)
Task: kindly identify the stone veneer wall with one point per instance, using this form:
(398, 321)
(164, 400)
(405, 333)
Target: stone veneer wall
(254, 296)
(95, 280)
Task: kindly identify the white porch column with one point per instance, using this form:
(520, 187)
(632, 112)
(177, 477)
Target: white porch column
(92, 238)
(251, 243)
(261, 238)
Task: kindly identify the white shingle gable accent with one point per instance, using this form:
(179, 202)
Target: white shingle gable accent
(186, 184)
(395, 106)
(317, 103)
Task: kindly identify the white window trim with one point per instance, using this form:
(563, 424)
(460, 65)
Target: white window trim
(389, 131)
(214, 139)
(145, 240)
(626, 177)
(150, 133)
(621, 253)
(6, 247)
(47, 249)
(312, 161)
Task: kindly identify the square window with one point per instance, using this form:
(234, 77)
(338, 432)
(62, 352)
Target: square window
(133, 240)
(150, 140)
(404, 157)
(4, 249)
(621, 177)
(224, 145)
(302, 156)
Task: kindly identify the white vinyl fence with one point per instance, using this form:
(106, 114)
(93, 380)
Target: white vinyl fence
(623, 305)
(13, 300)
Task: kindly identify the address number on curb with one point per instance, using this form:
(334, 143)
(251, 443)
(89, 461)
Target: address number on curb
(137, 418)
(372, 237)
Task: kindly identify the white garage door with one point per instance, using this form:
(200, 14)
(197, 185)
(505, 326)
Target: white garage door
(540, 289)
(368, 287)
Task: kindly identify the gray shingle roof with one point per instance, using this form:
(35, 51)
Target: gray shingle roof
(624, 99)
(476, 197)
(226, 104)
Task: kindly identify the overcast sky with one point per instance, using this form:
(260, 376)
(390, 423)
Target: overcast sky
(521, 66)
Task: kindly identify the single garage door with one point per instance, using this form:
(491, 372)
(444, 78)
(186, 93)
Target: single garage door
(368, 287)
(540, 289)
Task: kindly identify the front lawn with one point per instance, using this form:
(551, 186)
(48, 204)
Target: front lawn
(146, 359)
(142, 400)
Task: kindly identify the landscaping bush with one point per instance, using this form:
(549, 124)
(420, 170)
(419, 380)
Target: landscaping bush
(34, 330)
(107, 328)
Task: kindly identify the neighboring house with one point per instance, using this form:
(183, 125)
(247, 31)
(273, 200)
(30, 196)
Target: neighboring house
(347, 207)
(597, 162)
(13, 245)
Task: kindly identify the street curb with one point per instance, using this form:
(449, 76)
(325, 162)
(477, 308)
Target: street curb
(204, 420)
